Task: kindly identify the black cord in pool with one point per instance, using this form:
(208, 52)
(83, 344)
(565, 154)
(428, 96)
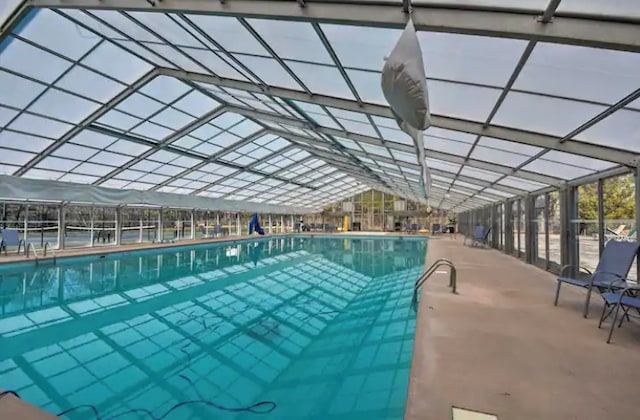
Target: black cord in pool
(262, 407)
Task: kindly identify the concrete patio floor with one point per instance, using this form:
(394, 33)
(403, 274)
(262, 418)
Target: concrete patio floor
(501, 347)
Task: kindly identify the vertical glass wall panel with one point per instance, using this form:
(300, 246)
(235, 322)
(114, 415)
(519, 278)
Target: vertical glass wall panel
(620, 211)
(78, 226)
(522, 230)
(587, 225)
(177, 224)
(554, 228)
(13, 216)
(502, 225)
(103, 223)
(540, 233)
(228, 224)
(42, 225)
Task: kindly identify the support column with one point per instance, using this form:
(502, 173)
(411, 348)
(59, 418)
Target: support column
(547, 200)
(92, 226)
(140, 229)
(160, 225)
(193, 224)
(238, 227)
(531, 233)
(270, 226)
(61, 226)
(292, 223)
(26, 226)
(601, 221)
(637, 185)
(281, 224)
(118, 232)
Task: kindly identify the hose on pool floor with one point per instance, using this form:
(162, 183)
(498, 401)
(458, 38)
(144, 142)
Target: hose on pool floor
(262, 407)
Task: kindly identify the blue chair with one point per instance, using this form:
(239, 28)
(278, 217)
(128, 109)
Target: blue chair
(615, 300)
(10, 237)
(479, 236)
(610, 274)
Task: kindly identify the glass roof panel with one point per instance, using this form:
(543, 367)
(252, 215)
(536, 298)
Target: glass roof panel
(165, 89)
(480, 174)
(372, 44)
(447, 146)
(23, 142)
(66, 107)
(215, 64)
(18, 91)
(498, 156)
(21, 57)
(522, 184)
(90, 84)
(509, 146)
(579, 72)
(44, 127)
(542, 114)
(119, 120)
(128, 148)
(171, 118)
(229, 33)
(292, 40)
(53, 31)
(177, 57)
(270, 71)
(581, 161)
(614, 8)
(139, 105)
(151, 131)
(558, 169)
(196, 104)
(621, 129)
(468, 58)
(15, 157)
(321, 79)
(461, 101)
(110, 59)
(367, 84)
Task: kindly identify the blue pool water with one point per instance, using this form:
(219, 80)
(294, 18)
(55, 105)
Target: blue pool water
(287, 328)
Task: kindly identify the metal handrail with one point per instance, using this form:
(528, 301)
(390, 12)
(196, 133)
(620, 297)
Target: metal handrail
(48, 246)
(32, 248)
(428, 272)
(21, 244)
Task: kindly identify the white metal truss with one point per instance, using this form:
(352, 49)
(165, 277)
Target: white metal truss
(497, 21)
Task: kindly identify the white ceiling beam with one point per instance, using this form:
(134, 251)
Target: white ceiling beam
(545, 141)
(593, 31)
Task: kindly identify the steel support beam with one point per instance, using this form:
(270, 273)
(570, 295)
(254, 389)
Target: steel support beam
(591, 31)
(472, 127)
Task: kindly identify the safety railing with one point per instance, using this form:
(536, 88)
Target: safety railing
(47, 246)
(31, 248)
(428, 272)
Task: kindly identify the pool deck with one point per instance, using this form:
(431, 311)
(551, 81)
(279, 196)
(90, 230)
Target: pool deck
(501, 347)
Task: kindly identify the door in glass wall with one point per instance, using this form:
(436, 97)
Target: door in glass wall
(522, 229)
(586, 227)
(620, 211)
(502, 224)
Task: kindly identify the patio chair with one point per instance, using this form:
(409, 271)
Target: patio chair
(610, 274)
(624, 299)
(10, 237)
(610, 234)
(479, 236)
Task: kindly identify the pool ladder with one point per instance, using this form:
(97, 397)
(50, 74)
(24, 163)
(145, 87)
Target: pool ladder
(428, 272)
(31, 248)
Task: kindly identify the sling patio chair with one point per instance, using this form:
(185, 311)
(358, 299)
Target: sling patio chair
(11, 237)
(610, 274)
(479, 235)
(615, 300)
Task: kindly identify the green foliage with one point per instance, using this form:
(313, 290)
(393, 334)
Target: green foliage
(618, 196)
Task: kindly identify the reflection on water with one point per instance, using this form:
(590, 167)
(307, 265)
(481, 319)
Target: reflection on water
(312, 328)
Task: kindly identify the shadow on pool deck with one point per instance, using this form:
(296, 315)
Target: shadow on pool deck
(501, 347)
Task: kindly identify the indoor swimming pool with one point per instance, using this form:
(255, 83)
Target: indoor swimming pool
(284, 328)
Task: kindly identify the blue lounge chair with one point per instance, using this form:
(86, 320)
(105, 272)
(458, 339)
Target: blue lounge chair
(10, 237)
(610, 274)
(624, 299)
(479, 236)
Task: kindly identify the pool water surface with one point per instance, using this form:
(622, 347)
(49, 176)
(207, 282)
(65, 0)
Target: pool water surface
(288, 328)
